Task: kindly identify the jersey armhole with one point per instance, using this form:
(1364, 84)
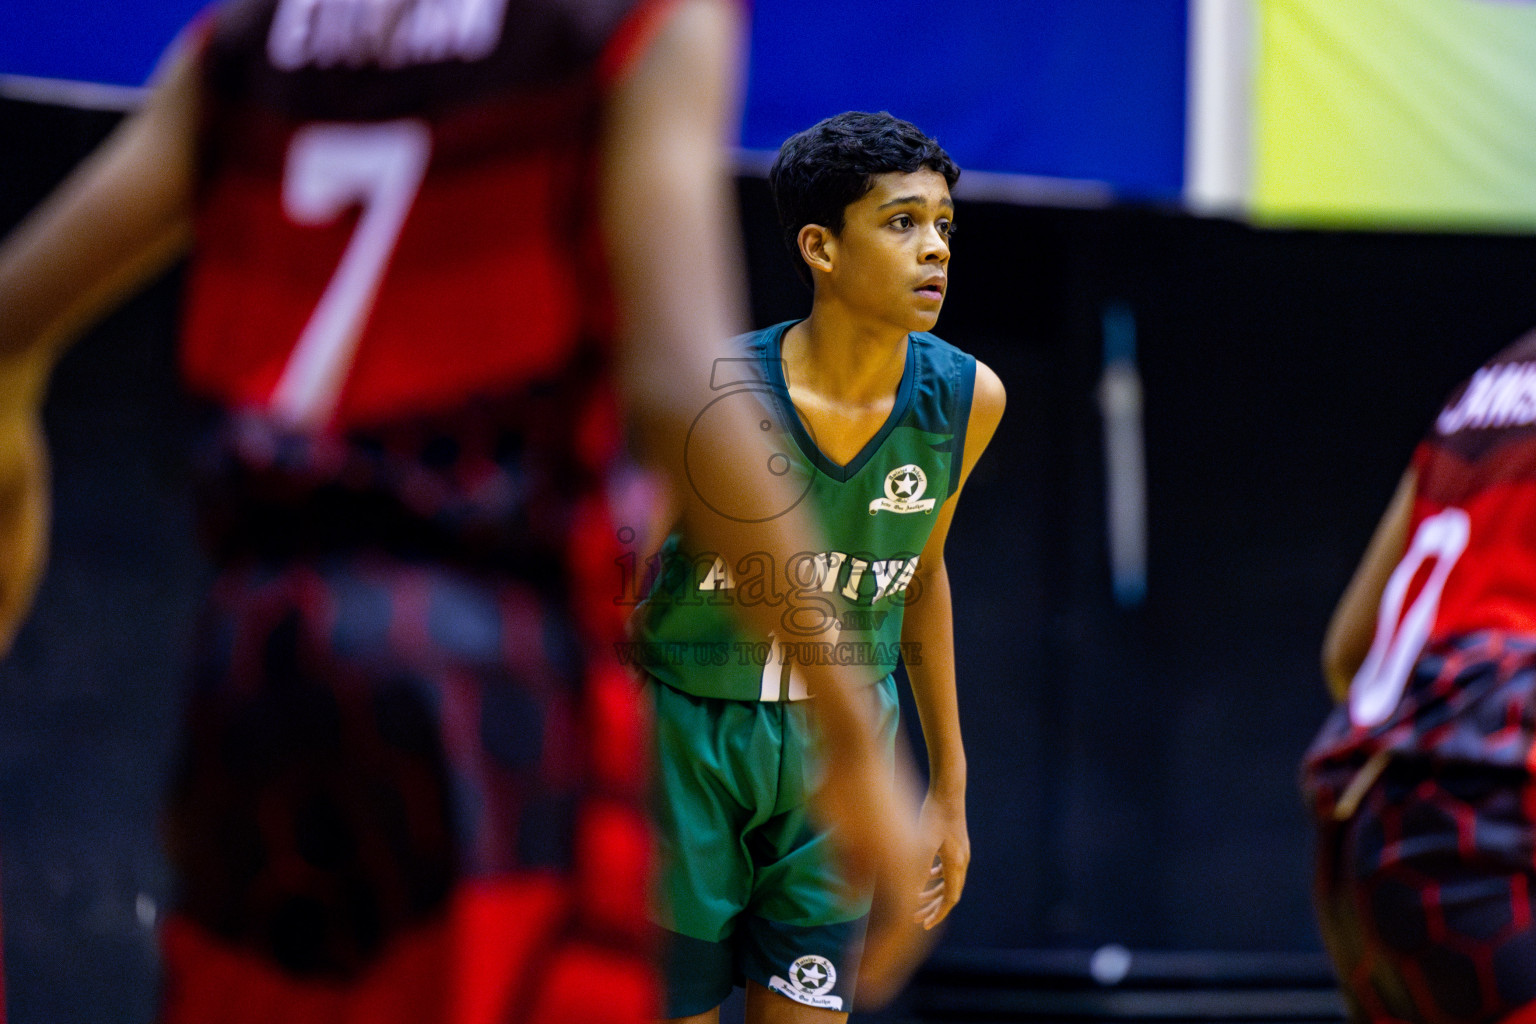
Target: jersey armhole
(631, 40)
(200, 31)
(1420, 459)
(965, 393)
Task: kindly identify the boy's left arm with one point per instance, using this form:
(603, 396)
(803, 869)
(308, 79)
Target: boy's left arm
(929, 624)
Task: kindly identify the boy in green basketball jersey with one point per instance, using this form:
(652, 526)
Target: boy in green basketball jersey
(880, 424)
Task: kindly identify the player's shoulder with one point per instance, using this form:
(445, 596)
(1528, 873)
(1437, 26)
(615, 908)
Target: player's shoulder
(937, 347)
(761, 337)
(972, 384)
(1521, 350)
(945, 364)
(762, 345)
(989, 397)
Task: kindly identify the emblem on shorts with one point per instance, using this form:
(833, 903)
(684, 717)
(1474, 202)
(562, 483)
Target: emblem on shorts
(810, 979)
(904, 488)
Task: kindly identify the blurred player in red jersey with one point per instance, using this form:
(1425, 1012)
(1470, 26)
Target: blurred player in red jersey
(432, 245)
(1421, 780)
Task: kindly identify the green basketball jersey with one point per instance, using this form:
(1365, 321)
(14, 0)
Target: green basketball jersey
(875, 514)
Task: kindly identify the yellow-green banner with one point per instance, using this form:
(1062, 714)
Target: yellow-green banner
(1396, 113)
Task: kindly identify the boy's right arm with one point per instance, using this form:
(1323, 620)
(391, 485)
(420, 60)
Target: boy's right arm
(121, 217)
(669, 214)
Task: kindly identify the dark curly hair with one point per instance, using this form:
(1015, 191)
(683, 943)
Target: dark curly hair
(831, 164)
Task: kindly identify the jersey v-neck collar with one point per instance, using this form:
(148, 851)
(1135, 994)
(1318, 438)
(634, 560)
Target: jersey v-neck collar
(774, 358)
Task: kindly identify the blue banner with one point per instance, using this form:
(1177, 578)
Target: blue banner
(1079, 89)
(1087, 89)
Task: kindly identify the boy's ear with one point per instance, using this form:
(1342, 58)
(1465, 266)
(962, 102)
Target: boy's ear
(817, 246)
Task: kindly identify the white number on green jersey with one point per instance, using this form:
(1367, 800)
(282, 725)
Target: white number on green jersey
(781, 678)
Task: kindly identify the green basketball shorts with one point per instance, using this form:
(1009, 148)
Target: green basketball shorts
(749, 887)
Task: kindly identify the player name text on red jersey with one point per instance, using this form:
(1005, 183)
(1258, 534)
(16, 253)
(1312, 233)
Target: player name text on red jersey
(386, 33)
(1497, 396)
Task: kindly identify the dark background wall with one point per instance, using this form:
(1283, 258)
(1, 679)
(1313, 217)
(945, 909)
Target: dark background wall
(1132, 770)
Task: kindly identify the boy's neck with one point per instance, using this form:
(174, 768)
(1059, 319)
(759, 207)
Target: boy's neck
(838, 356)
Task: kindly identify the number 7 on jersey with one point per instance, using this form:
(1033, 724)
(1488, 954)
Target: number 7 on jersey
(330, 169)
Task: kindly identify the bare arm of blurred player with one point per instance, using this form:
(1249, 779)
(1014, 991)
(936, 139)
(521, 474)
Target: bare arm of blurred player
(120, 218)
(929, 623)
(669, 212)
(1353, 625)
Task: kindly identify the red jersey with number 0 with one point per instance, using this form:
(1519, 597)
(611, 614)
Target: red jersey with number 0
(1467, 578)
(1480, 458)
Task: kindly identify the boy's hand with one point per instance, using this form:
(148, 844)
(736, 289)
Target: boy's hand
(943, 824)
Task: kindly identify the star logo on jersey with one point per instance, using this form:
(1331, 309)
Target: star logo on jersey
(904, 487)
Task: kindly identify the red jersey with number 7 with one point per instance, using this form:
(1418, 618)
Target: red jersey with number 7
(411, 785)
(396, 205)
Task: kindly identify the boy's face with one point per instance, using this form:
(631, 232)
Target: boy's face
(891, 260)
